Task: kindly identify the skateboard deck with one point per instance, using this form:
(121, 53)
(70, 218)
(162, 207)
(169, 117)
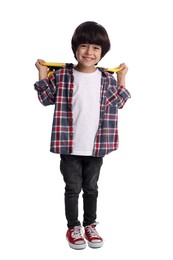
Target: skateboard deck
(55, 65)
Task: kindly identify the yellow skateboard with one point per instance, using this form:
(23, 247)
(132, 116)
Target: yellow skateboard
(55, 65)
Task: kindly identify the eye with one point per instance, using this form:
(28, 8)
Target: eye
(97, 47)
(83, 45)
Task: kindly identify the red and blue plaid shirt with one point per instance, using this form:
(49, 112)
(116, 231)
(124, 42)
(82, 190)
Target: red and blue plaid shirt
(58, 90)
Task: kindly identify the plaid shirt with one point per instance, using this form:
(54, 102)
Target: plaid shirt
(58, 90)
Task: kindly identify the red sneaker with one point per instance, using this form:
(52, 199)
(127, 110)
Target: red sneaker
(94, 240)
(75, 238)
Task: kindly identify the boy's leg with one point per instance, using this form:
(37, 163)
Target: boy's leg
(71, 169)
(90, 172)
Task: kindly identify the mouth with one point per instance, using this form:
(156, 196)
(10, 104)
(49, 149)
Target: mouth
(88, 58)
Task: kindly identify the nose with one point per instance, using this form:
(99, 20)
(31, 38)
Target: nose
(89, 49)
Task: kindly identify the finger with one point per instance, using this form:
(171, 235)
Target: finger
(40, 61)
(122, 65)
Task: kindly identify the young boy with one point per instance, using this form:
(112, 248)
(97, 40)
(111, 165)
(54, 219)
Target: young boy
(86, 99)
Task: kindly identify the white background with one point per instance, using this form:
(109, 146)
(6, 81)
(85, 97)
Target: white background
(135, 188)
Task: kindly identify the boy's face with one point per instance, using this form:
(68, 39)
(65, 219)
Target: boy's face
(88, 55)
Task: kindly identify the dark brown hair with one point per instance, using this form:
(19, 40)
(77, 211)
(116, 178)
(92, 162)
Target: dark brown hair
(91, 33)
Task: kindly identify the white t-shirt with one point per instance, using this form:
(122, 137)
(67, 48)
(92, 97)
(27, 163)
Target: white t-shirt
(86, 111)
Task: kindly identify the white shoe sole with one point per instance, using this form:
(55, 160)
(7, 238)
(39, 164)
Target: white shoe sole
(77, 246)
(95, 245)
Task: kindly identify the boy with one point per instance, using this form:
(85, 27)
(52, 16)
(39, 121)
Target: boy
(86, 99)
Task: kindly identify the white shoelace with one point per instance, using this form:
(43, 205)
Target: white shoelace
(92, 232)
(77, 233)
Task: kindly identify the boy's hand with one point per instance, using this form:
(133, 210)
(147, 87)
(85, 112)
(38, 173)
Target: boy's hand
(42, 69)
(121, 74)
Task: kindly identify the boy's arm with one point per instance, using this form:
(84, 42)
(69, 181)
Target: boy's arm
(118, 94)
(46, 87)
(121, 75)
(42, 70)
(123, 93)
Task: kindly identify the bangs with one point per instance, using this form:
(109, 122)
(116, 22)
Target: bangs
(91, 36)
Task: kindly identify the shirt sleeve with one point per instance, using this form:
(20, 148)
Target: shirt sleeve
(116, 95)
(122, 96)
(46, 90)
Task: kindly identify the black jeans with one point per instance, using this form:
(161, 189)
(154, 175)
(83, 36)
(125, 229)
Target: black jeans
(80, 172)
